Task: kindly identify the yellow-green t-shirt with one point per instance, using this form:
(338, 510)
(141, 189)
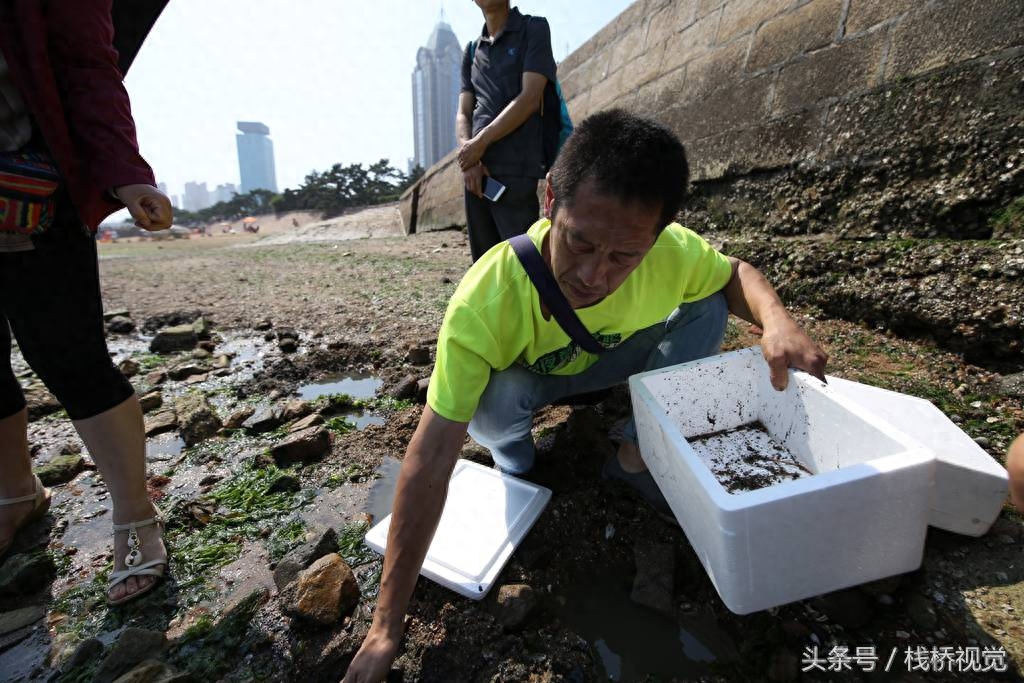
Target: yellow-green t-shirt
(494, 317)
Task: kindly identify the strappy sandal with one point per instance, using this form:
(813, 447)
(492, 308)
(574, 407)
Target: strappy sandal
(136, 564)
(41, 503)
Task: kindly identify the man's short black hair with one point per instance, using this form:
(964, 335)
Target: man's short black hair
(629, 157)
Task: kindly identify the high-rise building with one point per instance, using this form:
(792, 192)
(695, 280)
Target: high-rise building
(196, 196)
(256, 157)
(224, 192)
(436, 81)
(162, 187)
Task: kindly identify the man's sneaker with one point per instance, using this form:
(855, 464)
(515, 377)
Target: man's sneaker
(642, 482)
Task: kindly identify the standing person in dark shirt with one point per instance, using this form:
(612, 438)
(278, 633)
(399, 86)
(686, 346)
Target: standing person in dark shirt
(504, 73)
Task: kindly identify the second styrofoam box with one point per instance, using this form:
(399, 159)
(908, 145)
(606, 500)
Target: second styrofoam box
(860, 515)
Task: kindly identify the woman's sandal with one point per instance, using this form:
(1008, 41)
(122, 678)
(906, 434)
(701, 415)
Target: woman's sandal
(136, 564)
(41, 503)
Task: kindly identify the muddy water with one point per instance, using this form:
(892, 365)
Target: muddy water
(634, 642)
(747, 458)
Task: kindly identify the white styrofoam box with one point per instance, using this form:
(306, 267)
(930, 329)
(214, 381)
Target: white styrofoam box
(861, 515)
(970, 486)
(486, 515)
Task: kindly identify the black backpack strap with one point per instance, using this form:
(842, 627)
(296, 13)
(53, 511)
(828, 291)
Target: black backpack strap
(551, 294)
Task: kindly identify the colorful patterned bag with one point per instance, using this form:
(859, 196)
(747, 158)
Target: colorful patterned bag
(28, 188)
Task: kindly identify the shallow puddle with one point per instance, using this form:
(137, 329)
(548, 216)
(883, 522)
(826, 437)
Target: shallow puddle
(359, 386)
(635, 642)
(163, 447)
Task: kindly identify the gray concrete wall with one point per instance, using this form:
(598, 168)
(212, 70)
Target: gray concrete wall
(755, 86)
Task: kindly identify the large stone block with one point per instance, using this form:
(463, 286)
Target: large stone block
(743, 16)
(667, 22)
(949, 32)
(690, 43)
(806, 28)
(712, 70)
(864, 14)
(627, 46)
(772, 144)
(644, 68)
(607, 91)
(661, 94)
(852, 66)
(733, 106)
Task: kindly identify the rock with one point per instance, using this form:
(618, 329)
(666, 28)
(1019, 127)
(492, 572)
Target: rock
(128, 367)
(187, 370)
(154, 671)
(322, 542)
(263, 420)
(86, 651)
(982, 441)
(418, 355)
(201, 354)
(1012, 385)
(173, 339)
(1006, 527)
(307, 422)
(151, 401)
(207, 345)
(848, 608)
(40, 402)
(133, 646)
(263, 325)
(269, 336)
(302, 446)
(119, 324)
(323, 592)
(921, 611)
(284, 483)
(20, 618)
(116, 313)
(237, 419)
(421, 390)
(164, 421)
(60, 470)
(405, 389)
(288, 345)
(242, 603)
(26, 573)
(156, 377)
(287, 333)
(653, 583)
(201, 328)
(222, 362)
(515, 603)
(295, 409)
(197, 419)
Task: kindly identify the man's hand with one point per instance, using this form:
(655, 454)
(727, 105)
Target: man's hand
(373, 661)
(788, 346)
(471, 152)
(474, 179)
(150, 207)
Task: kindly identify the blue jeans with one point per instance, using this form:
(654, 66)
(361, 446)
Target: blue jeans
(504, 417)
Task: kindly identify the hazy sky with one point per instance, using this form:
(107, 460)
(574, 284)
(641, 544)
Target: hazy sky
(331, 78)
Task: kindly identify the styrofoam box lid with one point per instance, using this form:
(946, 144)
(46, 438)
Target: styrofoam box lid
(486, 515)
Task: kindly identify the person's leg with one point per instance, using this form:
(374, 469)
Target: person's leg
(483, 233)
(692, 331)
(60, 331)
(518, 208)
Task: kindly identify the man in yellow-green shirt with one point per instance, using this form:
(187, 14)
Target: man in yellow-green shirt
(651, 292)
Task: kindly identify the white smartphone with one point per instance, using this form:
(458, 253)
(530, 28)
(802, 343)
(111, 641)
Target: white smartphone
(493, 189)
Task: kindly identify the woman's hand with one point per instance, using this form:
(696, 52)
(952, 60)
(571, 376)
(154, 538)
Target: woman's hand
(150, 207)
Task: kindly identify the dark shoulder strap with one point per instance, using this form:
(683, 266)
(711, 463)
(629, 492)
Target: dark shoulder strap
(551, 295)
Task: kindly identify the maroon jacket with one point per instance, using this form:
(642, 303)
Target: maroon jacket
(62, 61)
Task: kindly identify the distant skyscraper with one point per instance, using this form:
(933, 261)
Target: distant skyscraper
(162, 187)
(224, 192)
(256, 157)
(435, 95)
(196, 196)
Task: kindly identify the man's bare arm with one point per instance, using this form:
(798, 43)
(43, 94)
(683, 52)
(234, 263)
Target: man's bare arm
(784, 343)
(511, 117)
(419, 501)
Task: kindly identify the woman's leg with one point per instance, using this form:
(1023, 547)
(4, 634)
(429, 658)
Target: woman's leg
(60, 330)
